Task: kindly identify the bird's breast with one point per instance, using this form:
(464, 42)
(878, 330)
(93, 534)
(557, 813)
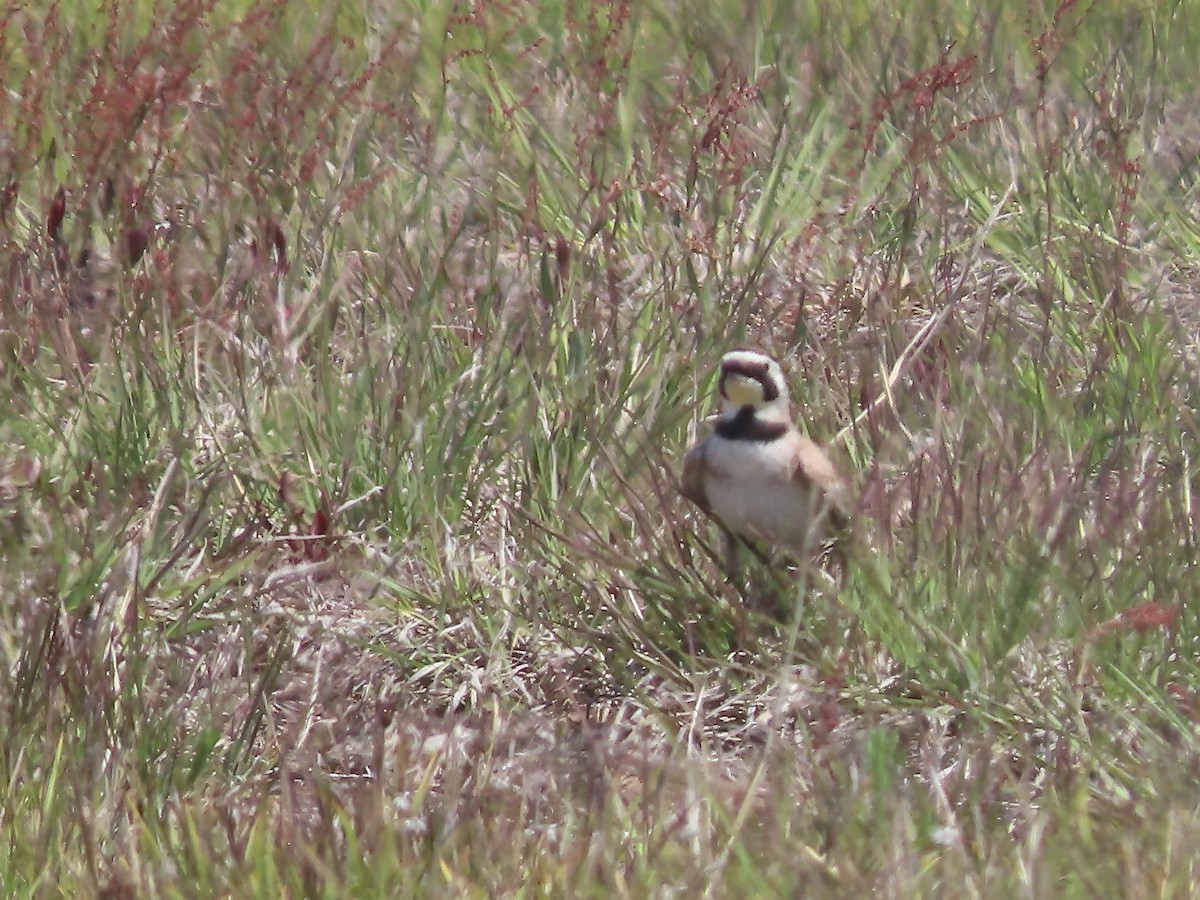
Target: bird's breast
(751, 461)
(750, 489)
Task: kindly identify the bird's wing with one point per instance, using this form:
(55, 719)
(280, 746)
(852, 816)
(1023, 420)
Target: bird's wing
(691, 483)
(813, 466)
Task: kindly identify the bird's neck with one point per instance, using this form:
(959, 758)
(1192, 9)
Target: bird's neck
(754, 423)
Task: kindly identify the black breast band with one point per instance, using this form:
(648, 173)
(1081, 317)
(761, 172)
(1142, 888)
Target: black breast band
(746, 426)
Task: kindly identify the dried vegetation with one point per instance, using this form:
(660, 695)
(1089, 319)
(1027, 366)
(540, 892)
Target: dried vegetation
(347, 359)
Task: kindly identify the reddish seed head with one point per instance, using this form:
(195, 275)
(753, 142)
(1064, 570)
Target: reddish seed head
(54, 220)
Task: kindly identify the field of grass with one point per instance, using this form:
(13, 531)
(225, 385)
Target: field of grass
(348, 353)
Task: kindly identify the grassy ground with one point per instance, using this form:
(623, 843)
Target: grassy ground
(348, 359)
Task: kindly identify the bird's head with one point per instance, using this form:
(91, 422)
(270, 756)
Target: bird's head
(750, 378)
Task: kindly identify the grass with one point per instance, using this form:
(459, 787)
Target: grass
(348, 360)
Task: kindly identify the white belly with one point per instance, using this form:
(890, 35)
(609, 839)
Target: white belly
(750, 490)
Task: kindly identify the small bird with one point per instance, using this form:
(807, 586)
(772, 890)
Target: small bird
(756, 474)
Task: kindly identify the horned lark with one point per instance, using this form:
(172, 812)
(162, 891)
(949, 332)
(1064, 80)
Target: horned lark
(756, 474)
